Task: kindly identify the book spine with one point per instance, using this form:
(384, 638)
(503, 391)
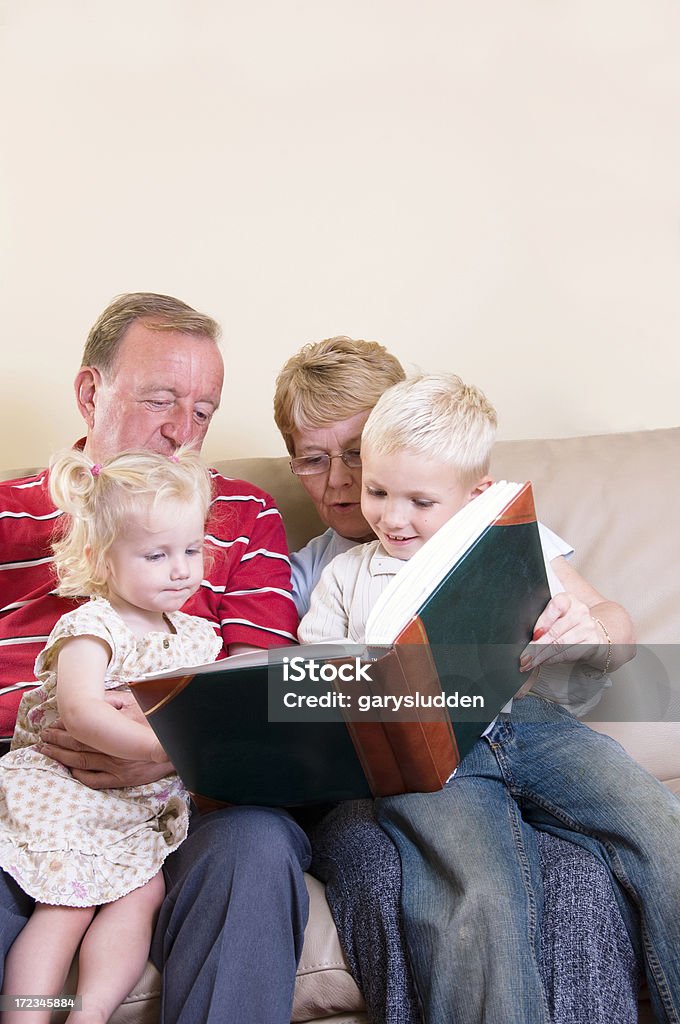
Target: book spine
(520, 510)
(154, 694)
(423, 745)
(382, 769)
(376, 757)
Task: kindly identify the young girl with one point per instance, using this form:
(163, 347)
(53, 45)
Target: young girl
(134, 545)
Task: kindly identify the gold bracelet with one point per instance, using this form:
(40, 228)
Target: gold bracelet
(610, 646)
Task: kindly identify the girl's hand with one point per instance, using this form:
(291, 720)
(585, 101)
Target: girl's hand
(565, 631)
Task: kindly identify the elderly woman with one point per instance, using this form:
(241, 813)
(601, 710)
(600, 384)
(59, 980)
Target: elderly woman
(323, 397)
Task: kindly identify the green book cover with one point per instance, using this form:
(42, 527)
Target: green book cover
(480, 617)
(230, 737)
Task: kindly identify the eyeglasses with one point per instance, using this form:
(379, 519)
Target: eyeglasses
(309, 465)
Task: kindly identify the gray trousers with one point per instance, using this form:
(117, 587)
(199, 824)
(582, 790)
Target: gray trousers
(588, 964)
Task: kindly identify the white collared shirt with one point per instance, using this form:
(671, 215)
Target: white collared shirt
(344, 596)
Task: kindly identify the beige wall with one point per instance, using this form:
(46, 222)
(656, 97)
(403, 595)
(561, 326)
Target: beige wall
(489, 187)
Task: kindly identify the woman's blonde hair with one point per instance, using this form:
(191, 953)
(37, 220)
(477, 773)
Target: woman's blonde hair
(331, 380)
(99, 500)
(437, 416)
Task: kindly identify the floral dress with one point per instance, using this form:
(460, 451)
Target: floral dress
(70, 845)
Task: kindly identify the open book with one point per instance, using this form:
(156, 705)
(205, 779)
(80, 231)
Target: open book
(300, 725)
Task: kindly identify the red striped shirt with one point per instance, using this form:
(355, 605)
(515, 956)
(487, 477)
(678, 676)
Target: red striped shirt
(245, 593)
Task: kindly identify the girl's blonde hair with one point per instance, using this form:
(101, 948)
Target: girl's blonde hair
(99, 500)
(439, 417)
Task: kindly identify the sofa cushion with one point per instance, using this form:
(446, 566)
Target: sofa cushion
(323, 986)
(616, 499)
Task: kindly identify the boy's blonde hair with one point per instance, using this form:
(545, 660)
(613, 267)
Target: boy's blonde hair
(438, 416)
(99, 500)
(332, 380)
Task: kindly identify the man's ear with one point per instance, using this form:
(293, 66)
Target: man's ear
(86, 383)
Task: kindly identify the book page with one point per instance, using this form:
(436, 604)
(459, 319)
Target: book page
(404, 596)
(271, 656)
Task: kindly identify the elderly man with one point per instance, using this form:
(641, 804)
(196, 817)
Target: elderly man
(231, 928)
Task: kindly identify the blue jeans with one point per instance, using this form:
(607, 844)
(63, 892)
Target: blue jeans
(472, 896)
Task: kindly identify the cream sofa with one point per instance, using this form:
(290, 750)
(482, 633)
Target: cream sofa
(616, 498)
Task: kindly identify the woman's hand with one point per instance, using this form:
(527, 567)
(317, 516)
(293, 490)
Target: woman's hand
(579, 625)
(565, 631)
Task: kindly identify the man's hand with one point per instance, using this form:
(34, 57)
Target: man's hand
(125, 702)
(97, 770)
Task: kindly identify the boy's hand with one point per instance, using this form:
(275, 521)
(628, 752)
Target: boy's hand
(565, 631)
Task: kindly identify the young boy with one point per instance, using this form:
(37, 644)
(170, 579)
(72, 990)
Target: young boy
(471, 893)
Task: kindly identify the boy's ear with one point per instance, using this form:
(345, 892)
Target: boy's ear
(480, 486)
